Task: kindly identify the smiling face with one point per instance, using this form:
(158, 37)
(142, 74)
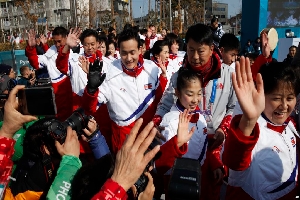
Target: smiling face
(198, 54)
(190, 96)
(129, 52)
(90, 45)
(280, 103)
(164, 54)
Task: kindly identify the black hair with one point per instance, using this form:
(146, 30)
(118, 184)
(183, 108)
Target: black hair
(185, 75)
(293, 46)
(90, 178)
(141, 42)
(172, 38)
(143, 31)
(151, 25)
(37, 136)
(213, 20)
(88, 33)
(127, 26)
(128, 34)
(107, 47)
(158, 47)
(111, 29)
(252, 56)
(275, 73)
(60, 31)
(229, 42)
(136, 28)
(111, 37)
(200, 33)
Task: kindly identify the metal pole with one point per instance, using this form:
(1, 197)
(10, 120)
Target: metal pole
(170, 1)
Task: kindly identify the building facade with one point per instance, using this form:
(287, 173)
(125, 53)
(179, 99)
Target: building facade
(219, 10)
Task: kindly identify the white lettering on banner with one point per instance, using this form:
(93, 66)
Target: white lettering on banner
(64, 191)
(24, 62)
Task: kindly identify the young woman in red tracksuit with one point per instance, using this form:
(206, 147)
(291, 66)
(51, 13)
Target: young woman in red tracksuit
(189, 95)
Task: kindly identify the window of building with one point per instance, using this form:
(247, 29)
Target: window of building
(222, 16)
(219, 9)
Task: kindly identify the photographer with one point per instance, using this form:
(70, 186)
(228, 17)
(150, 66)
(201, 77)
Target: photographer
(28, 76)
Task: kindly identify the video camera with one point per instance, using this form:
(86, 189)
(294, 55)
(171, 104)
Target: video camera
(185, 181)
(77, 121)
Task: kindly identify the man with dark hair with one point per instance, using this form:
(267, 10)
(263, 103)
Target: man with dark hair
(28, 76)
(289, 58)
(131, 90)
(111, 30)
(152, 37)
(229, 48)
(60, 83)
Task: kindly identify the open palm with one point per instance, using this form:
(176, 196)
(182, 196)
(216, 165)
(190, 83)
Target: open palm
(31, 38)
(73, 37)
(251, 98)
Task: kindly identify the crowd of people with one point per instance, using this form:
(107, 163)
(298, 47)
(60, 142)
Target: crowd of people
(150, 99)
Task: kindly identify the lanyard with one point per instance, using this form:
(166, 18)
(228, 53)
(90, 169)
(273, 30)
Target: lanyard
(212, 95)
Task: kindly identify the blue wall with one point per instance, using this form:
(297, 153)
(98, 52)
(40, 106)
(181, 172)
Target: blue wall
(21, 59)
(254, 19)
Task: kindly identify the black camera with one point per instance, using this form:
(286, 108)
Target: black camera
(142, 182)
(77, 121)
(185, 181)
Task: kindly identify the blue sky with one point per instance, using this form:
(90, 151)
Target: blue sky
(233, 6)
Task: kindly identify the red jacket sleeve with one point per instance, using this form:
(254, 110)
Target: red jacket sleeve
(32, 57)
(225, 124)
(160, 89)
(238, 148)
(147, 43)
(6, 153)
(169, 152)
(45, 47)
(213, 155)
(259, 61)
(62, 61)
(111, 191)
(90, 102)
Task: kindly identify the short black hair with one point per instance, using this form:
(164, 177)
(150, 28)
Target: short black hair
(143, 31)
(158, 47)
(111, 37)
(88, 33)
(293, 46)
(111, 29)
(128, 34)
(172, 38)
(213, 20)
(200, 33)
(185, 75)
(141, 42)
(275, 73)
(60, 31)
(127, 26)
(229, 42)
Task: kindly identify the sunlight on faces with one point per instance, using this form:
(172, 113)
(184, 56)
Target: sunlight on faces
(102, 48)
(174, 48)
(280, 103)
(164, 54)
(90, 45)
(228, 57)
(59, 41)
(190, 96)
(153, 30)
(129, 52)
(198, 54)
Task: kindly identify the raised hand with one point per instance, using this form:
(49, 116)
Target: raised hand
(95, 76)
(250, 98)
(43, 39)
(162, 66)
(31, 38)
(266, 50)
(84, 64)
(131, 160)
(73, 37)
(183, 133)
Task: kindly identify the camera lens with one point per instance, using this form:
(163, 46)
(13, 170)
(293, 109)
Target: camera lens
(78, 120)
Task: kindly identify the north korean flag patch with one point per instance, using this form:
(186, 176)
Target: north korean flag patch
(148, 86)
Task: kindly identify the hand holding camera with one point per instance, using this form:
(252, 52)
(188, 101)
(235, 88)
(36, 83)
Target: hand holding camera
(95, 76)
(71, 145)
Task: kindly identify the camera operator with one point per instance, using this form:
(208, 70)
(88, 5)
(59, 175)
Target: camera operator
(28, 76)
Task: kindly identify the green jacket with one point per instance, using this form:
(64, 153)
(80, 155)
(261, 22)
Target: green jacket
(69, 165)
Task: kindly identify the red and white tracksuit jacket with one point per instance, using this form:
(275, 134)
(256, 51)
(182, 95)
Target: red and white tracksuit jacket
(176, 60)
(128, 95)
(69, 65)
(263, 165)
(60, 82)
(149, 41)
(197, 149)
